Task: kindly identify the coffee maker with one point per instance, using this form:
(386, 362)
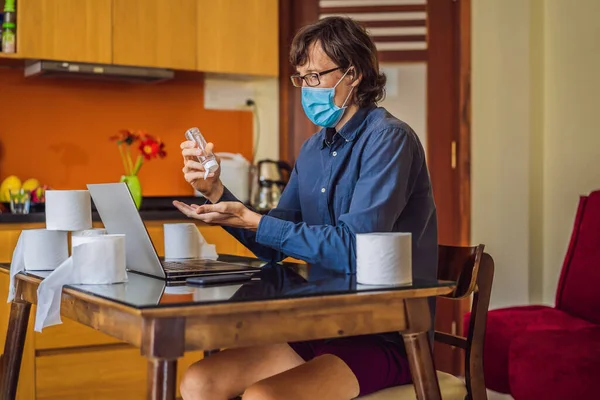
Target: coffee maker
(269, 178)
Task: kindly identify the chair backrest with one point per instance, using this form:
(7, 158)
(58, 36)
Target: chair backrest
(459, 264)
(473, 270)
(577, 292)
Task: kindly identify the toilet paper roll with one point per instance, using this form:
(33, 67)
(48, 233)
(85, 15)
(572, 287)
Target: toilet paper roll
(68, 210)
(90, 232)
(186, 241)
(95, 260)
(87, 233)
(37, 250)
(99, 260)
(384, 258)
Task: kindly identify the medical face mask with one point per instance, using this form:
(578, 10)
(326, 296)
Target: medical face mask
(319, 105)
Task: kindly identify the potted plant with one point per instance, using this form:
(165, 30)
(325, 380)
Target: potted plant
(148, 146)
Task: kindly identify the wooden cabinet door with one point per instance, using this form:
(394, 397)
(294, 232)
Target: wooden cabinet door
(102, 374)
(238, 36)
(155, 33)
(69, 30)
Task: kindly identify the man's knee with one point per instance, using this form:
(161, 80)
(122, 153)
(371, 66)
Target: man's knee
(261, 391)
(197, 383)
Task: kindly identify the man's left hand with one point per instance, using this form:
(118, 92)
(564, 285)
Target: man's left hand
(227, 213)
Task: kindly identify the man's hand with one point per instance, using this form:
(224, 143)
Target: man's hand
(232, 214)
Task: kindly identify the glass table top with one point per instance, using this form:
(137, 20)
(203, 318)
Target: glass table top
(273, 281)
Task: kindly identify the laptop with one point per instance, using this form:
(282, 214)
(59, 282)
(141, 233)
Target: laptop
(120, 216)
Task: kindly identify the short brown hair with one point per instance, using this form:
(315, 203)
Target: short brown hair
(347, 44)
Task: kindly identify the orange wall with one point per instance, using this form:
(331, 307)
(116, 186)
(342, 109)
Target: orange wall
(57, 130)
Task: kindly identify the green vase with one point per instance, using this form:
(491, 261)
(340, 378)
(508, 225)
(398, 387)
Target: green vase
(133, 183)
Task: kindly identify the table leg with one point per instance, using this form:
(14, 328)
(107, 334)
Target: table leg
(418, 350)
(163, 342)
(423, 372)
(162, 377)
(13, 348)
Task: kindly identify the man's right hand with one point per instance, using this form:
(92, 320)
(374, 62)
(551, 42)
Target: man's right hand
(193, 171)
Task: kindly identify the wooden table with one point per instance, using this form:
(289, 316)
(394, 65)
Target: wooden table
(287, 303)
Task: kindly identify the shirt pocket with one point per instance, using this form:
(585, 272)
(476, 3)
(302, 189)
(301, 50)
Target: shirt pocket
(342, 197)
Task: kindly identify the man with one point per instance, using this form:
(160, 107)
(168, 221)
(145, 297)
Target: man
(365, 171)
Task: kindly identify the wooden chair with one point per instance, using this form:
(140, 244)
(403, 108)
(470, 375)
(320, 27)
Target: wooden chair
(473, 272)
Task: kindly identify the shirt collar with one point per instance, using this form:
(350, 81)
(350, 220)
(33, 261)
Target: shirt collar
(350, 130)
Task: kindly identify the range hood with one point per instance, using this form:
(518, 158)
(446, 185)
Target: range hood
(121, 73)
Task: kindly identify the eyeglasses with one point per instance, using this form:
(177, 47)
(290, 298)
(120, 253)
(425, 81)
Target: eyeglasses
(312, 79)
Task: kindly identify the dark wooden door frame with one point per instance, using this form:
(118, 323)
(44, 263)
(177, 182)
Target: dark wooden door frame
(449, 149)
(448, 114)
(448, 125)
(448, 103)
(294, 127)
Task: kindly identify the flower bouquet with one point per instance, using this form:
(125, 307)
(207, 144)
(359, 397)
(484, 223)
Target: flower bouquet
(149, 147)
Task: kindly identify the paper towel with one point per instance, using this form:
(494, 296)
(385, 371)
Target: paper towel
(186, 241)
(95, 260)
(37, 250)
(68, 210)
(384, 258)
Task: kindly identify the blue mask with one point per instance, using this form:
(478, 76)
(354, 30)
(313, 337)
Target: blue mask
(319, 106)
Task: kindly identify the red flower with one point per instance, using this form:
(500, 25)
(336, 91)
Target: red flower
(151, 147)
(126, 136)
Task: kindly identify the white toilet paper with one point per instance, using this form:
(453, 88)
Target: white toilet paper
(95, 260)
(90, 232)
(68, 210)
(186, 241)
(384, 258)
(87, 233)
(37, 250)
(99, 260)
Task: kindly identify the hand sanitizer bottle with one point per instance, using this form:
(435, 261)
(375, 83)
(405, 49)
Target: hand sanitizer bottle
(208, 161)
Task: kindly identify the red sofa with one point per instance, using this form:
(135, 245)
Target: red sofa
(553, 353)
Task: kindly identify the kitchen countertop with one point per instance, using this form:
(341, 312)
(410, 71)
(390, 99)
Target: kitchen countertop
(151, 215)
(152, 209)
(159, 208)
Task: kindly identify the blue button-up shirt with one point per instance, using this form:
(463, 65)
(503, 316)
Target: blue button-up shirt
(371, 177)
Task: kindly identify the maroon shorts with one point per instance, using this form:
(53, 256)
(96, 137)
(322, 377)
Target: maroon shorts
(376, 362)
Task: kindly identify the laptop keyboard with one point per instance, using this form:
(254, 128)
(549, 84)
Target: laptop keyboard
(191, 264)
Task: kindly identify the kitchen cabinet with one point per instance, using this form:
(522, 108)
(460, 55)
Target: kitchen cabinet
(224, 36)
(70, 30)
(155, 33)
(239, 37)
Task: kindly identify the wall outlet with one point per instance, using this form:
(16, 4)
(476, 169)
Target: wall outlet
(223, 94)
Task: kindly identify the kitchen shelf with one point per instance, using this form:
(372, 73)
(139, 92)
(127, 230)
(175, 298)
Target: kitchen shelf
(10, 55)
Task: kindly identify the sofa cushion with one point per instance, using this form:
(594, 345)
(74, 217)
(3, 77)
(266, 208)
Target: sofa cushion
(577, 292)
(505, 325)
(555, 365)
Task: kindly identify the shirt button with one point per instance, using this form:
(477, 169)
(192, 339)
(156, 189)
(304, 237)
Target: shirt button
(322, 190)
(334, 153)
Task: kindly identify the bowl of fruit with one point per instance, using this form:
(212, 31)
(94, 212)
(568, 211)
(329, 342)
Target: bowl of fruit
(36, 190)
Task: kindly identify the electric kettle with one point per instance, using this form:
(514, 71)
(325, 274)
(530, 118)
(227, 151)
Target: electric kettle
(269, 178)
